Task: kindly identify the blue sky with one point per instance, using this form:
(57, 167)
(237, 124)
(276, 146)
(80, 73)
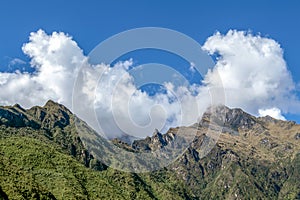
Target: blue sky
(90, 22)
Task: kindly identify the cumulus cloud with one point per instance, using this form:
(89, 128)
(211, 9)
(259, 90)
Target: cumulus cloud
(55, 59)
(121, 107)
(253, 71)
(272, 112)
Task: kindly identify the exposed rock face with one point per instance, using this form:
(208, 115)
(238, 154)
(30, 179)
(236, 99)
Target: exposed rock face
(16, 117)
(219, 118)
(228, 118)
(157, 141)
(51, 115)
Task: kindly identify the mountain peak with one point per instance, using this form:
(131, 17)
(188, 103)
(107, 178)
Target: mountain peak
(56, 107)
(50, 103)
(233, 118)
(17, 106)
(156, 133)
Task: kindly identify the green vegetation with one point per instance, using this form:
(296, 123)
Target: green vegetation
(42, 157)
(32, 169)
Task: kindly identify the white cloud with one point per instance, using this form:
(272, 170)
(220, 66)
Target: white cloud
(123, 108)
(272, 112)
(16, 61)
(252, 69)
(55, 58)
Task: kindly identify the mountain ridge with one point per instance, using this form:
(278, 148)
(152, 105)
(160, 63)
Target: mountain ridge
(251, 158)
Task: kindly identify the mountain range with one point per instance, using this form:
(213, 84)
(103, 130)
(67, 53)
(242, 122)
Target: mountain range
(43, 155)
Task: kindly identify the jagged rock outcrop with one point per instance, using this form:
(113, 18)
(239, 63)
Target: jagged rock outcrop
(157, 141)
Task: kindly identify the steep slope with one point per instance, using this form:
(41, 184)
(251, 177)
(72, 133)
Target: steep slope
(31, 169)
(54, 122)
(254, 157)
(43, 157)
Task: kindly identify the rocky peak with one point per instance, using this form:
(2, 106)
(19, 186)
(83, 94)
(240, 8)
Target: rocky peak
(157, 141)
(230, 118)
(48, 116)
(18, 107)
(156, 133)
(55, 115)
(56, 107)
(16, 116)
(51, 103)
